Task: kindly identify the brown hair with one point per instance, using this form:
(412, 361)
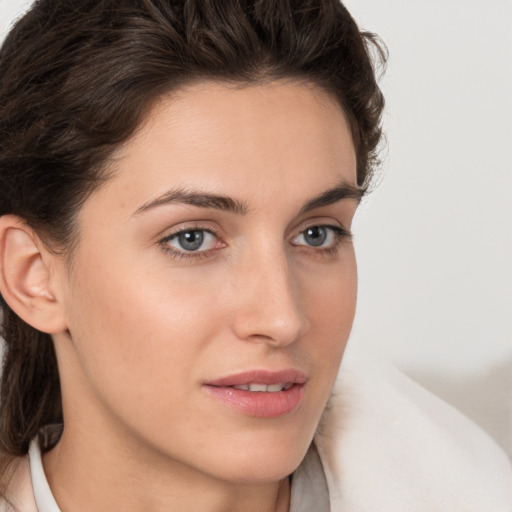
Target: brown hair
(77, 78)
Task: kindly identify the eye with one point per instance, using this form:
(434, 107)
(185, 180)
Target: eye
(321, 236)
(192, 240)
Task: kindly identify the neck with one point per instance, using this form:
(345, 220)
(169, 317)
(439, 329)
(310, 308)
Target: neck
(88, 468)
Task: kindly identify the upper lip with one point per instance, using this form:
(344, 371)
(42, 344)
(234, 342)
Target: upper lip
(267, 377)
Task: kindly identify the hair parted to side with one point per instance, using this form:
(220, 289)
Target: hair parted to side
(77, 78)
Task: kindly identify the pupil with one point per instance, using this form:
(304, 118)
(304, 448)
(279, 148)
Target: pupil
(191, 240)
(315, 236)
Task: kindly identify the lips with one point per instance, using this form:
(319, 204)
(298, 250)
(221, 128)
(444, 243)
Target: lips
(260, 393)
(263, 377)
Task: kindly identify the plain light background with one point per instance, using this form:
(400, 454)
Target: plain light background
(434, 240)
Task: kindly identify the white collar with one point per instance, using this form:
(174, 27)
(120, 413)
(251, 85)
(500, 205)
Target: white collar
(45, 501)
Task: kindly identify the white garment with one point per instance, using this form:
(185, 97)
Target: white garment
(385, 445)
(388, 445)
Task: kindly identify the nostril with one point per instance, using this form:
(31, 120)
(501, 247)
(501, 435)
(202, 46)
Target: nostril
(268, 328)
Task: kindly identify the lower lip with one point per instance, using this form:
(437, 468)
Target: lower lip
(261, 404)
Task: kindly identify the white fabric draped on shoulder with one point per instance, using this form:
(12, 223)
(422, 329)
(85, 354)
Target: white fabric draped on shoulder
(387, 444)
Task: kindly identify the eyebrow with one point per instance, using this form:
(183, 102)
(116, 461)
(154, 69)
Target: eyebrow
(202, 200)
(333, 195)
(228, 204)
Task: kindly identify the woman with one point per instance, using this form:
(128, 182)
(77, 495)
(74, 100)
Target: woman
(178, 184)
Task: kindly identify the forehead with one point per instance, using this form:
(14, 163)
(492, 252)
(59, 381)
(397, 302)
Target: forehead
(252, 142)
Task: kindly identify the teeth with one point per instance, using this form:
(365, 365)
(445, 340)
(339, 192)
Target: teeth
(262, 388)
(257, 387)
(275, 387)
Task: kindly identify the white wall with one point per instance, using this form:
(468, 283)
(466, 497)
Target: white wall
(9, 11)
(434, 240)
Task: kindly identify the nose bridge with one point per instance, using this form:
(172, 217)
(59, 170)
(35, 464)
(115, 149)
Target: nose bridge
(268, 304)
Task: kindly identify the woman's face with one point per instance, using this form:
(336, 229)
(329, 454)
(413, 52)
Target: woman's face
(218, 255)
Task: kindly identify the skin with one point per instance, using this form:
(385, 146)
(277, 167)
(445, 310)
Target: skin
(146, 323)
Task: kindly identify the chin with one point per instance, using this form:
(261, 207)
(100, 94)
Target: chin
(259, 471)
(265, 459)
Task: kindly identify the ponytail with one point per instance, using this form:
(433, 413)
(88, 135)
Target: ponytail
(30, 394)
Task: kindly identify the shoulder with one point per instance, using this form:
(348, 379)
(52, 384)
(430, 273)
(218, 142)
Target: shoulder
(387, 444)
(19, 496)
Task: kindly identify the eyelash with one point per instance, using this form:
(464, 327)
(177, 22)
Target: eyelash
(340, 235)
(190, 255)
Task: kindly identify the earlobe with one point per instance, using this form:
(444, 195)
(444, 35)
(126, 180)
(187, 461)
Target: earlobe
(26, 279)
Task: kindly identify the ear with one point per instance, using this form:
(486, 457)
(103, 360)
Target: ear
(28, 276)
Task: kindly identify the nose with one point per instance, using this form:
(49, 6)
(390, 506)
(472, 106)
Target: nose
(267, 305)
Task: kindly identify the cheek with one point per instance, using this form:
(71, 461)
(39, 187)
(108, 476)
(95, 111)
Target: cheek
(147, 330)
(329, 296)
